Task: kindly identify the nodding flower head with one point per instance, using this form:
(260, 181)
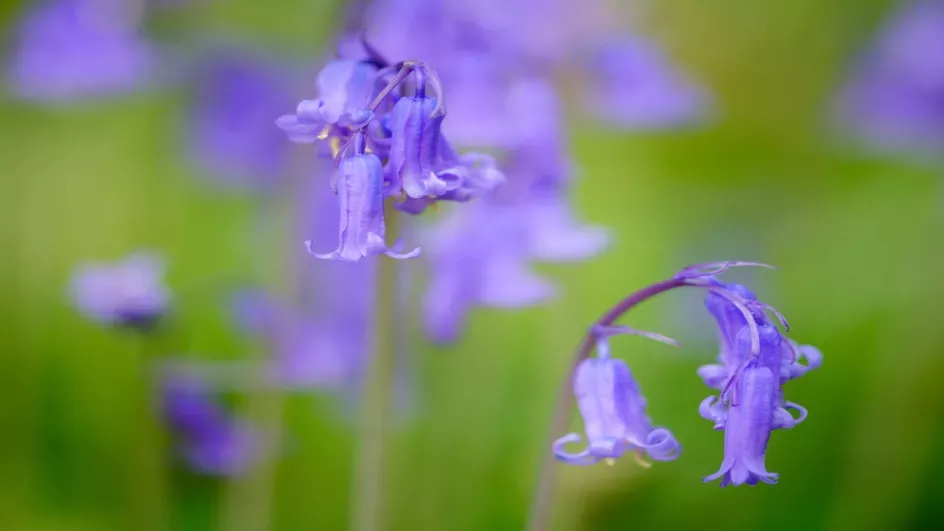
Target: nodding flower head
(614, 411)
(360, 196)
(128, 293)
(756, 408)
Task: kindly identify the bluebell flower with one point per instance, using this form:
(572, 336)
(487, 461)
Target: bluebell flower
(72, 49)
(414, 152)
(209, 439)
(747, 426)
(231, 135)
(895, 98)
(477, 258)
(632, 85)
(731, 323)
(756, 408)
(541, 174)
(361, 233)
(131, 292)
(614, 413)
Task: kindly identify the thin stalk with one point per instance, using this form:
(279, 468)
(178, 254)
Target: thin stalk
(377, 399)
(249, 499)
(544, 492)
(150, 499)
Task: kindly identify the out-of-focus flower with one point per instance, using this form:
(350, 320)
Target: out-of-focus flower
(633, 86)
(478, 257)
(128, 293)
(896, 97)
(209, 439)
(231, 136)
(614, 412)
(73, 49)
(360, 196)
(540, 172)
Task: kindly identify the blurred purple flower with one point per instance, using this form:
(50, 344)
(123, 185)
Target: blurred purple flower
(896, 97)
(231, 137)
(128, 293)
(478, 256)
(208, 438)
(614, 412)
(73, 49)
(541, 174)
(633, 86)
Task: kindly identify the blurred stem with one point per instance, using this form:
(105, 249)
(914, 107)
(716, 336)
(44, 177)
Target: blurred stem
(150, 498)
(377, 398)
(249, 499)
(539, 516)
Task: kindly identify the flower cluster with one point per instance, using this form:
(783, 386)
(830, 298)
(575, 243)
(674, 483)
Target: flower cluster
(754, 362)
(388, 143)
(499, 62)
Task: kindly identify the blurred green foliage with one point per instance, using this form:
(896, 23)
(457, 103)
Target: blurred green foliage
(857, 238)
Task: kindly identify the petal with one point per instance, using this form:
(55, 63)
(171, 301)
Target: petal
(376, 245)
(582, 458)
(333, 255)
(799, 409)
(309, 112)
(661, 445)
(712, 408)
(714, 375)
(814, 358)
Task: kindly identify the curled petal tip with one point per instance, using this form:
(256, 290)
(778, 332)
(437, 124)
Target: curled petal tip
(582, 458)
(403, 256)
(333, 255)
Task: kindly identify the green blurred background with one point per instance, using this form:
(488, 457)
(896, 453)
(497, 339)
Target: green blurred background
(857, 238)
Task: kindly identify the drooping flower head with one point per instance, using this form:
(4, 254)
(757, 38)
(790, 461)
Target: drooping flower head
(613, 411)
(368, 121)
(127, 293)
(209, 439)
(755, 360)
(73, 49)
